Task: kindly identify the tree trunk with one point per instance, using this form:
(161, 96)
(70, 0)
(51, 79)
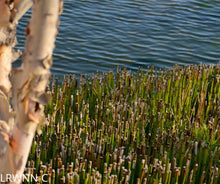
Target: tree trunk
(28, 82)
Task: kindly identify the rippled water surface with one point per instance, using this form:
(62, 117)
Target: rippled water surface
(99, 35)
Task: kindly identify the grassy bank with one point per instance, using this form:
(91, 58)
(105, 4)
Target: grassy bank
(148, 127)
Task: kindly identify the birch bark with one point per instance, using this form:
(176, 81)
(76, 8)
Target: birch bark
(28, 82)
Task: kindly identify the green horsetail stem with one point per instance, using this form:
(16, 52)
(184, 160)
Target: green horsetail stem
(153, 126)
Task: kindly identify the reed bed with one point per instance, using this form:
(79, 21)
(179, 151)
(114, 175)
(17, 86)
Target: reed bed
(153, 127)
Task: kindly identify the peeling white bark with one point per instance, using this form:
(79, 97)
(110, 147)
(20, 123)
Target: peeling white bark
(5, 66)
(29, 81)
(20, 8)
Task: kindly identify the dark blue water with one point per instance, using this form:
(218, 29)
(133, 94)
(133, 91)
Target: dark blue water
(99, 35)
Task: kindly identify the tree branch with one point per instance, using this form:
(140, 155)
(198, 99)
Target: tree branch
(28, 82)
(20, 8)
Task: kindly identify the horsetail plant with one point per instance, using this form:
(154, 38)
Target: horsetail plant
(149, 127)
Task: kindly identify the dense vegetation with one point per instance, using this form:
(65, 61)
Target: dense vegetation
(158, 126)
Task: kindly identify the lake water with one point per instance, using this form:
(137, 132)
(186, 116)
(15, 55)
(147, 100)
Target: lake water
(99, 35)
